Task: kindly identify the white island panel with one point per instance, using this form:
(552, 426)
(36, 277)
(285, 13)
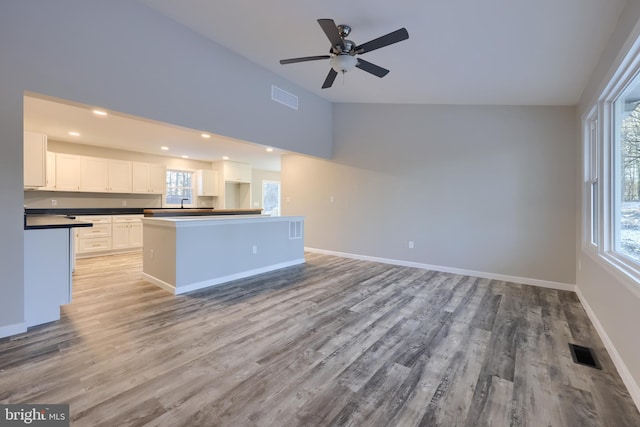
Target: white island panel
(189, 253)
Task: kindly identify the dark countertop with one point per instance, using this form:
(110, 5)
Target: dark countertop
(40, 222)
(199, 212)
(85, 211)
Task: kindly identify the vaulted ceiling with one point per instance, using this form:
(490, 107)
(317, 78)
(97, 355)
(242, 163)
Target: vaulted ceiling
(509, 52)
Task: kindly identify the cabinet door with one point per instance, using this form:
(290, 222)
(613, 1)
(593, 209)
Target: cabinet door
(157, 179)
(237, 172)
(120, 237)
(94, 174)
(67, 172)
(140, 177)
(35, 159)
(207, 183)
(51, 171)
(119, 176)
(135, 234)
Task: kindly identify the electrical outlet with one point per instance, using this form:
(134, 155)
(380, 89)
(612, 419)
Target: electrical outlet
(54, 202)
(410, 244)
(255, 249)
(152, 253)
(331, 199)
(124, 203)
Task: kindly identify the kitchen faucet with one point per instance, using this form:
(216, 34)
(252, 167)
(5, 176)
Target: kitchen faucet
(182, 203)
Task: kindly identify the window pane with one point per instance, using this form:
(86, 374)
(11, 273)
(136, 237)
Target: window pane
(627, 230)
(271, 198)
(178, 188)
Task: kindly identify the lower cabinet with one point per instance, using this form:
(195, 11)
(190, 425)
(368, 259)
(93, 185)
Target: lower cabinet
(109, 234)
(127, 232)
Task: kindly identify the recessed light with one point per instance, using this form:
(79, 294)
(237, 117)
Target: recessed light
(205, 135)
(164, 148)
(225, 157)
(269, 149)
(99, 113)
(185, 157)
(73, 133)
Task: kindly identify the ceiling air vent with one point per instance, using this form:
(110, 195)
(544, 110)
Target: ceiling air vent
(284, 97)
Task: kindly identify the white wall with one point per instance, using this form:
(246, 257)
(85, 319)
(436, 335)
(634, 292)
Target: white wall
(120, 55)
(481, 188)
(614, 301)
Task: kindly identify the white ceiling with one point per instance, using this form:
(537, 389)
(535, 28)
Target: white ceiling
(56, 119)
(507, 52)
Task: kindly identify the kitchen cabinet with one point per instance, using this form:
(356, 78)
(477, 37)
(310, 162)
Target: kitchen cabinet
(119, 176)
(67, 172)
(94, 174)
(157, 179)
(35, 159)
(148, 178)
(127, 231)
(51, 172)
(94, 239)
(236, 172)
(207, 182)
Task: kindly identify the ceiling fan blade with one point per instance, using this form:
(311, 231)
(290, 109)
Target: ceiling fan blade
(330, 78)
(391, 38)
(304, 59)
(331, 30)
(371, 68)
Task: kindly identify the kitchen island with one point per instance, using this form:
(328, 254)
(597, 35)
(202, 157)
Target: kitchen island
(187, 253)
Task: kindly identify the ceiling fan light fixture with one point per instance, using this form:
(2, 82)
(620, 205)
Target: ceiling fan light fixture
(343, 63)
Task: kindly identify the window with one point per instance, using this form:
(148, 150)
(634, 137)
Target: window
(626, 173)
(179, 190)
(591, 180)
(611, 191)
(271, 198)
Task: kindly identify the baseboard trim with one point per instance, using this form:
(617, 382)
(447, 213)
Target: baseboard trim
(621, 367)
(15, 329)
(218, 280)
(515, 279)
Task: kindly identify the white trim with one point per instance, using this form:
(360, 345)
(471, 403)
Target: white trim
(515, 279)
(15, 329)
(621, 367)
(218, 280)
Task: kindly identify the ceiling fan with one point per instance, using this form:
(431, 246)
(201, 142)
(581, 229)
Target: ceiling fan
(342, 55)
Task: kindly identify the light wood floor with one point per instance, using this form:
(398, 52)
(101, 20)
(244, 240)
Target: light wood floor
(331, 342)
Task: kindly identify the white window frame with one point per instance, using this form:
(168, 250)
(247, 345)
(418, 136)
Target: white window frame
(193, 192)
(591, 150)
(607, 163)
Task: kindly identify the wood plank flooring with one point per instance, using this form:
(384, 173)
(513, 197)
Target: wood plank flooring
(332, 342)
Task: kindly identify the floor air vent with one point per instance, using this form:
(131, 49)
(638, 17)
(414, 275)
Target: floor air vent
(584, 356)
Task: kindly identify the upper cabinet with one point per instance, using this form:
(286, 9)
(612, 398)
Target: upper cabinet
(71, 172)
(67, 172)
(236, 172)
(120, 176)
(35, 159)
(51, 172)
(148, 178)
(207, 182)
(94, 175)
